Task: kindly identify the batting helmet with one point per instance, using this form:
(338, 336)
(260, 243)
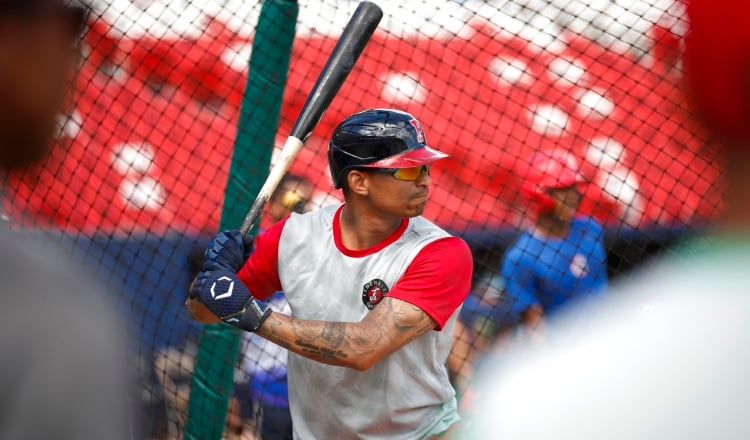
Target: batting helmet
(549, 170)
(378, 138)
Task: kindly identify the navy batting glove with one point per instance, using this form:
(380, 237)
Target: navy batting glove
(228, 298)
(226, 250)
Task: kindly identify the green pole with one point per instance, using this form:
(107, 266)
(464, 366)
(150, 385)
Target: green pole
(219, 346)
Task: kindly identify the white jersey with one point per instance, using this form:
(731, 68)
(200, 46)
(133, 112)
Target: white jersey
(407, 395)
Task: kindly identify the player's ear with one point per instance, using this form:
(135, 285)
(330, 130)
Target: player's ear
(359, 182)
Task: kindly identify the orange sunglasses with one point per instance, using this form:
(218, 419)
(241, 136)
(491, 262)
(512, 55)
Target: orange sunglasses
(408, 174)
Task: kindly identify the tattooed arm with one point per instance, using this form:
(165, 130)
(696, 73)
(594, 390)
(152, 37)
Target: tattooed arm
(389, 326)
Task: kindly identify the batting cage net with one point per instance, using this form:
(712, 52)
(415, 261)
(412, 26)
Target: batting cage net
(180, 107)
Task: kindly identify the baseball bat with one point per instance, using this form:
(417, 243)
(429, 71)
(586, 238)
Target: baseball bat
(349, 47)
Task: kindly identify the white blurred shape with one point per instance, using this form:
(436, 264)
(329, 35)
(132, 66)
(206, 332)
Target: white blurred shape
(403, 88)
(548, 119)
(622, 185)
(605, 153)
(237, 56)
(595, 104)
(70, 125)
(130, 157)
(510, 70)
(142, 193)
(543, 34)
(570, 71)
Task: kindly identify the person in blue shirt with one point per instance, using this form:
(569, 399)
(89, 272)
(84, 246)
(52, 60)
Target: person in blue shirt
(561, 258)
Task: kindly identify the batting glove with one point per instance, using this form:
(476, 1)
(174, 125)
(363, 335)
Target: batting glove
(226, 250)
(228, 298)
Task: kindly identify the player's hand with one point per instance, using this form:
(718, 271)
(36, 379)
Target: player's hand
(226, 250)
(227, 297)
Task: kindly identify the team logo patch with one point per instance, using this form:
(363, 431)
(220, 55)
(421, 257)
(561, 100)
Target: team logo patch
(374, 292)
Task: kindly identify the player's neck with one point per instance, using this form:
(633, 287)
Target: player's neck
(361, 230)
(551, 226)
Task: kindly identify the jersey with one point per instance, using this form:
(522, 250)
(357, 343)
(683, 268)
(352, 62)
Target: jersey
(405, 396)
(552, 271)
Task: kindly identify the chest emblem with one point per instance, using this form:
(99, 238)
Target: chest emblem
(579, 267)
(374, 292)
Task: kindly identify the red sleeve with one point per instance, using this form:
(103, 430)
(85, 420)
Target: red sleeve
(260, 272)
(438, 280)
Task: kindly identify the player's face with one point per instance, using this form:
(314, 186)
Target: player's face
(567, 201)
(38, 53)
(403, 193)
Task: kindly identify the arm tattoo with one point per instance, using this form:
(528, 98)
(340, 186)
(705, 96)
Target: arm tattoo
(333, 334)
(402, 321)
(329, 342)
(388, 327)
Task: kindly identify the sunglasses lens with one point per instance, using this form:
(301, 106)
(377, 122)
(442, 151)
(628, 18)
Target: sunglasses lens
(410, 173)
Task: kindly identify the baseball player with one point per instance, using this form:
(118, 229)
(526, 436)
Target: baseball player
(562, 256)
(374, 290)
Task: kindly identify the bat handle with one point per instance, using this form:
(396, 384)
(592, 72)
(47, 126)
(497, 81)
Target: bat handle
(288, 153)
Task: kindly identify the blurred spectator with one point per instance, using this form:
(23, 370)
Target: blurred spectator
(292, 195)
(174, 370)
(561, 258)
(264, 363)
(484, 318)
(65, 370)
(260, 399)
(666, 355)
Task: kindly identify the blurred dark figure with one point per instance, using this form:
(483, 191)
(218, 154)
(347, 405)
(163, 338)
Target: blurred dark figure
(64, 372)
(292, 195)
(265, 363)
(39, 42)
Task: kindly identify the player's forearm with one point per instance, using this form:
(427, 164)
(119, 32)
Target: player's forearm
(344, 344)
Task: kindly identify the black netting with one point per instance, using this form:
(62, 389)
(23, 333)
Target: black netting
(137, 177)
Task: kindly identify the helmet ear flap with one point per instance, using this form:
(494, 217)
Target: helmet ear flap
(334, 168)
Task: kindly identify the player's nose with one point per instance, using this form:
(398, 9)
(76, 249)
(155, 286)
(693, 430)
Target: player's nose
(424, 179)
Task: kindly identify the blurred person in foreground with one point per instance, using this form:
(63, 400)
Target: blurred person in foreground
(64, 373)
(666, 355)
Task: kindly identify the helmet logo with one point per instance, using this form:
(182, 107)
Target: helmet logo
(418, 128)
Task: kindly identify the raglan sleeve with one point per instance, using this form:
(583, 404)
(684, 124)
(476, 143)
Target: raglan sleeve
(438, 280)
(260, 272)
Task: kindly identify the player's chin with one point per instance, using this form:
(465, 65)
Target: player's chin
(417, 208)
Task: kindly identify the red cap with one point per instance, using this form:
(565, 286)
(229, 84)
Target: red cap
(554, 169)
